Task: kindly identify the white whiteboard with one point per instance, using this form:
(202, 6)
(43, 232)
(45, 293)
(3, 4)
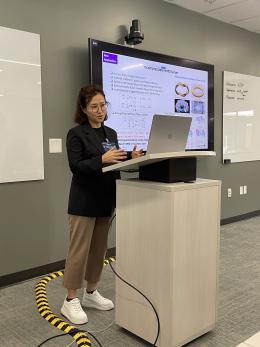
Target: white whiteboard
(241, 117)
(21, 139)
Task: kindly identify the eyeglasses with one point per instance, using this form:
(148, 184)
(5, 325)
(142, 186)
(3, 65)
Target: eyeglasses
(94, 108)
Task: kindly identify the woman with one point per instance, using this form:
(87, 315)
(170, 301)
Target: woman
(90, 146)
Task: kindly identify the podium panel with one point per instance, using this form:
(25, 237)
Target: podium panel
(167, 246)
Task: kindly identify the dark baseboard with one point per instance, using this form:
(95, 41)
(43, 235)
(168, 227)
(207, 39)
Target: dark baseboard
(240, 217)
(45, 269)
(25, 275)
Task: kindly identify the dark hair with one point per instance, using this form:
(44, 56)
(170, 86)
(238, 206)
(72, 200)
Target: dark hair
(84, 98)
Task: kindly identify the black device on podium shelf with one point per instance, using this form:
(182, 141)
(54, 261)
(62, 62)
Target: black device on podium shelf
(170, 170)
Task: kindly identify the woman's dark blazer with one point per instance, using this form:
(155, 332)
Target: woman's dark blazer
(92, 193)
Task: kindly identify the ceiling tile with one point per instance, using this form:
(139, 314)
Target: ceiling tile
(204, 5)
(242, 13)
(252, 24)
(236, 12)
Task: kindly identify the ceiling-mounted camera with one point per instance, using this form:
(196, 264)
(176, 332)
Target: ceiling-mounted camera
(135, 36)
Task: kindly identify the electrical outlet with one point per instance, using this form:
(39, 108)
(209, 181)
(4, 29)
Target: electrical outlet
(229, 192)
(245, 189)
(241, 190)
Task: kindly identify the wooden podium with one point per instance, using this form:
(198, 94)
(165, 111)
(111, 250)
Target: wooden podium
(167, 246)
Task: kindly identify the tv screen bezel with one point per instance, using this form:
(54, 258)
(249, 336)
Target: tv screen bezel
(95, 58)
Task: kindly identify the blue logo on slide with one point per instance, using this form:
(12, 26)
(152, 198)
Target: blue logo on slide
(110, 58)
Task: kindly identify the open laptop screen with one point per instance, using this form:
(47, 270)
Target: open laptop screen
(168, 134)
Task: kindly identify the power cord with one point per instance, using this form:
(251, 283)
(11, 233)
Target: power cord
(130, 285)
(112, 219)
(103, 330)
(94, 337)
(72, 343)
(51, 338)
(71, 334)
(91, 332)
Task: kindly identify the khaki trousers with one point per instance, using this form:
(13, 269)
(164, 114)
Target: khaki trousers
(88, 245)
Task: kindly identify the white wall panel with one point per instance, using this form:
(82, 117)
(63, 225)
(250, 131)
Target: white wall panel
(21, 138)
(241, 117)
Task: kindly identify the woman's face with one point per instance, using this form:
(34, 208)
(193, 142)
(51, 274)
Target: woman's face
(96, 110)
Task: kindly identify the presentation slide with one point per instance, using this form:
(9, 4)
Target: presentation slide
(137, 89)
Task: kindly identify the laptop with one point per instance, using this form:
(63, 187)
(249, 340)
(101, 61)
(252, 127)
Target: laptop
(168, 134)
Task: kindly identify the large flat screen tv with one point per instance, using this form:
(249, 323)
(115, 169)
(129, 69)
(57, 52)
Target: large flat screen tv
(139, 84)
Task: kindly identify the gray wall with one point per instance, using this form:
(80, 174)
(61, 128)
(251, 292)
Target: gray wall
(33, 221)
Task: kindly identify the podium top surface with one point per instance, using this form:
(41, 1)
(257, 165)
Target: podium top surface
(134, 164)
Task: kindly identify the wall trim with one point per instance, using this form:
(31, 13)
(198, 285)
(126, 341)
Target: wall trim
(240, 217)
(16, 277)
(25, 275)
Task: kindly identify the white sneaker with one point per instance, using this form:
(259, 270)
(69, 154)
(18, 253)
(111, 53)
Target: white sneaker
(97, 301)
(72, 310)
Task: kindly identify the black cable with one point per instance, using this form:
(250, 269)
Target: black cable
(54, 337)
(110, 224)
(50, 338)
(157, 316)
(130, 285)
(94, 338)
(67, 334)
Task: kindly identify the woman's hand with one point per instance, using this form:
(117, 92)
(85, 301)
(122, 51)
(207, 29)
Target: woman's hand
(114, 156)
(137, 154)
